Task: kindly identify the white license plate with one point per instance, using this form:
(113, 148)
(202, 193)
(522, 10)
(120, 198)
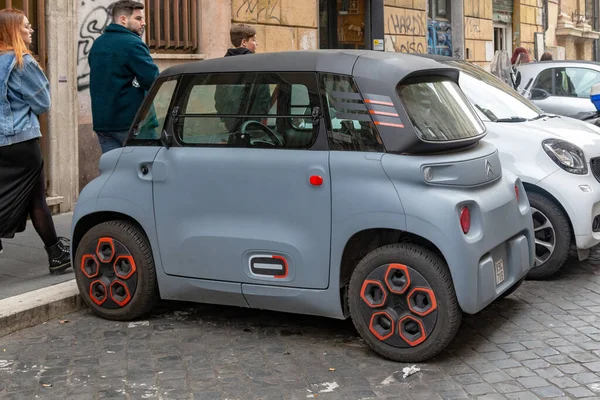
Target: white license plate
(499, 269)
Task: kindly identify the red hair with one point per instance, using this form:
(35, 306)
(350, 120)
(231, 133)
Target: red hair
(11, 39)
(524, 55)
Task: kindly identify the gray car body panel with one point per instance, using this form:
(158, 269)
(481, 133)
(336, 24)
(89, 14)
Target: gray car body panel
(203, 259)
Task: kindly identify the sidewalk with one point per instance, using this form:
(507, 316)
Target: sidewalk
(24, 263)
(29, 295)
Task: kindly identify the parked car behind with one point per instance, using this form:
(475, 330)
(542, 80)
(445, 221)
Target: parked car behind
(560, 87)
(353, 194)
(557, 158)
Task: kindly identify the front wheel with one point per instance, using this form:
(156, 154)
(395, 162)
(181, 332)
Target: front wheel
(552, 237)
(403, 304)
(115, 271)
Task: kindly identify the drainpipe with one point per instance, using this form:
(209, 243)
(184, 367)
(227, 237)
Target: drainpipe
(596, 28)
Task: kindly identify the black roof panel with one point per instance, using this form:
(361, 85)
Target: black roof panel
(332, 61)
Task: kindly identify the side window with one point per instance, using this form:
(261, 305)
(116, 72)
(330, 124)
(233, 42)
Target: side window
(544, 81)
(350, 127)
(578, 82)
(153, 117)
(248, 110)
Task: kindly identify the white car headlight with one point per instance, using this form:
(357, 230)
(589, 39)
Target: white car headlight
(568, 156)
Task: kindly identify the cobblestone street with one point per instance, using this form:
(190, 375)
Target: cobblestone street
(542, 342)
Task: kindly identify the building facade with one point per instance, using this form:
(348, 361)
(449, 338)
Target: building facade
(182, 31)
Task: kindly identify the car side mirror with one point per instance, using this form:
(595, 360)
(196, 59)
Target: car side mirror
(539, 94)
(166, 139)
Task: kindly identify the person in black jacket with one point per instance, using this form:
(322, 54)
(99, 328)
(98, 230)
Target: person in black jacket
(229, 98)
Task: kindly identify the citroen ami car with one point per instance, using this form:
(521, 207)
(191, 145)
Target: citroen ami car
(332, 183)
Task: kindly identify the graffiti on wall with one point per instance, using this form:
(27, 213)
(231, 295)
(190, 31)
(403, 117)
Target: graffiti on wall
(439, 38)
(93, 18)
(256, 10)
(406, 34)
(405, 25)
(403, 44)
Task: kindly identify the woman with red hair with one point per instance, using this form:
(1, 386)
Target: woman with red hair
(24, 94)
(520, 55)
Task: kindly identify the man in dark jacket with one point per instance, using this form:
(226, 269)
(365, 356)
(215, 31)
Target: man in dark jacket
(121, 73)
(229, 98)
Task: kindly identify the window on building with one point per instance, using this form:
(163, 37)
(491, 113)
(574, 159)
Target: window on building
(172, 25)
(248, 110)
(350, 127)
(439, 9)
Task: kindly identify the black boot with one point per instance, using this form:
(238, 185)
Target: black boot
(59, 256)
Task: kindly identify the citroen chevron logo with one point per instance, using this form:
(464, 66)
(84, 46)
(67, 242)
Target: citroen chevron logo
(489, 171)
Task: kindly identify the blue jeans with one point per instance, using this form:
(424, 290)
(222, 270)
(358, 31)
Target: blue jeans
(111, 140)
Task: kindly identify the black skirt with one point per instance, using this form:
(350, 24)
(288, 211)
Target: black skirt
(21, 166)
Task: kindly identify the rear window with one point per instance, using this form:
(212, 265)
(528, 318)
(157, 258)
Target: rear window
(439, 111)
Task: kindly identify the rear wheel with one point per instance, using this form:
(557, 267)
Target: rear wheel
(115, 271)
(552, 237)
(403, 304)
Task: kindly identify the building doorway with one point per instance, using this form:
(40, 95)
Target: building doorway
(344, 24)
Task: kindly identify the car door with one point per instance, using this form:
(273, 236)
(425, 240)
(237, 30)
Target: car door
(245, 194)
(565, 90)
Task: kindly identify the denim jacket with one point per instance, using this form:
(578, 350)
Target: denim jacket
(24, 94)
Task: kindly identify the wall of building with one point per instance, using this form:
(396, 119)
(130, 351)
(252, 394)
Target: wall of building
(479, 32)
(280, 24)
(406, 26)
(530, 18)
(61, 139)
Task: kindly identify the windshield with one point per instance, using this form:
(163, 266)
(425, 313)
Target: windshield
(497, 101)
(439, 111)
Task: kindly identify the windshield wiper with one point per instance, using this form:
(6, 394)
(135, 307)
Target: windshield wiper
(511, 119)
(544, 116)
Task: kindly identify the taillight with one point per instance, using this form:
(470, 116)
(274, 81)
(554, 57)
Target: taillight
(465, 220)
(517, 192)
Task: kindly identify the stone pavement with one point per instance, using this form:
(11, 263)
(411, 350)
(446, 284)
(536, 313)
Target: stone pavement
(543, 342)
(24, 263)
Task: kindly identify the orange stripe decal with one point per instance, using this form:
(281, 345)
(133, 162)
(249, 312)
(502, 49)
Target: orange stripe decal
(381, 103)
(389, 124)
(387, 114)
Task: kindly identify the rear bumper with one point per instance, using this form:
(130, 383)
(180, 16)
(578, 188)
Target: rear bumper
(501, 233)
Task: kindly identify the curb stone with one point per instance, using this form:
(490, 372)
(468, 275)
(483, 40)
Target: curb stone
(39, 306)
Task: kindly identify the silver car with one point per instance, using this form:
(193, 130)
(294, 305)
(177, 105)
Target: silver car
(560, 87)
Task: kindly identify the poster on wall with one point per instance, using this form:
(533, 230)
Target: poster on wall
(539, 46)
(439, 37)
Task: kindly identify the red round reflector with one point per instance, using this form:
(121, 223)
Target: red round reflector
(316, 180)
(517, 192)
(465, 220)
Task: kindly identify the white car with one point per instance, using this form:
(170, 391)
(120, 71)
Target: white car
(557, 158)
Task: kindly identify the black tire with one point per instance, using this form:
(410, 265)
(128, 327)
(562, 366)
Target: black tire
(562, 236)
(142, 281)
(423, 264)
(512, 289)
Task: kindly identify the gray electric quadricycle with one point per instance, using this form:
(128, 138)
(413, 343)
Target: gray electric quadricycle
(332, 183)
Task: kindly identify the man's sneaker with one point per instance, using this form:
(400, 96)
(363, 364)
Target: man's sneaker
(59, 256)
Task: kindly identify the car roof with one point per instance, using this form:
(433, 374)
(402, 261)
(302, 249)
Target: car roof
(331, 61)
(557, 63)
